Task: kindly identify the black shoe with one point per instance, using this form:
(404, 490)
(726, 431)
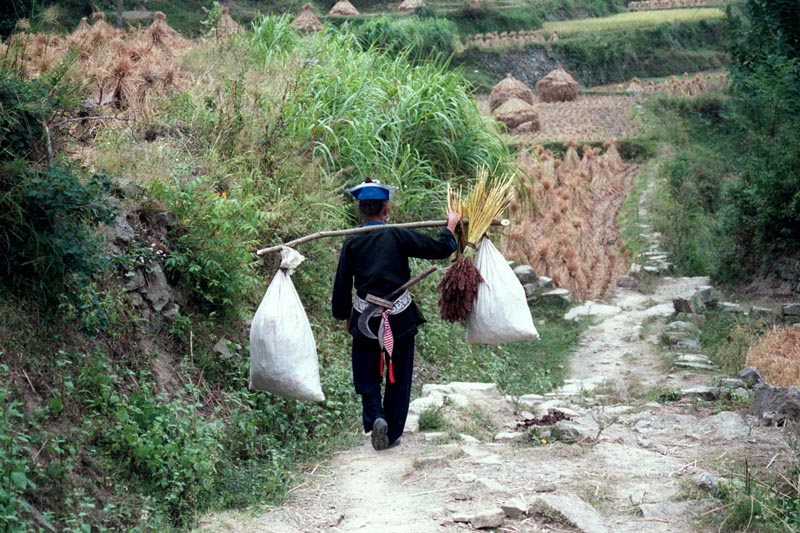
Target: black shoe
(380, 439)
(394, 443)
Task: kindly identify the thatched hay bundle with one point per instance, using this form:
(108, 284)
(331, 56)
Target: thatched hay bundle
(410, 5)
(507, 88)
(587, 161)
(515, 112)
(307, 21)
(572, 161)
(635, 87)
(226, 26)
(343, 8)
(161, 35)
(558, 86)
(79, 33)
(532, 126)
(100, 31)
(615, 161)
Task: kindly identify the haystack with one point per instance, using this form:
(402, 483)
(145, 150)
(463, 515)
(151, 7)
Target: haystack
(558, 86)
(226, 26)
(307, 21)
(410, 5)
(79, 33)
(515, 112)
(161, 35)
(509, 87)
(532, 126)
(101, 31)
(344, 8)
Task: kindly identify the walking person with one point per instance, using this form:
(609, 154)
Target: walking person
(376, 263)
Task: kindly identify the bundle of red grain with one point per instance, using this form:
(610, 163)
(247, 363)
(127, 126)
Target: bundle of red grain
(484, 202)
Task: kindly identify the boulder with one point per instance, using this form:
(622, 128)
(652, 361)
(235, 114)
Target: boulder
(751, 376)
(784, 401)
(156, 290)
(572, 509)
(543, 282)
(702, 392)
(525, 274)
(682, 305)
(530, 290)
(706, 481)
(729, 307)
(706, 297)
(491, 518)
(514, 508)
(764, 314)
(557, 296)
(627, 282)
(792, 309)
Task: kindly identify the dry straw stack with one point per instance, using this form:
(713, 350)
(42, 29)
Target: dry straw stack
(162, 36)
(567, 237)
(410, 5)
(509, 87)
(343, 8)
(226, 26)
(558, 86)
(518, 115)
(307, 21)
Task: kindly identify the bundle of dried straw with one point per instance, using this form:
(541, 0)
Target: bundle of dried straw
(485, 200)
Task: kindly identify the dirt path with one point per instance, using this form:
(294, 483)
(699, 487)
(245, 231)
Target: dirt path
(622, 464)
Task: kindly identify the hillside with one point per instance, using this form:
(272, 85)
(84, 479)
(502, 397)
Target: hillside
(140, 169)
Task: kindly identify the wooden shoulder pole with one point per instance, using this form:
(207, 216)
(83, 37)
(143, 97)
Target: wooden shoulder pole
(365, 229)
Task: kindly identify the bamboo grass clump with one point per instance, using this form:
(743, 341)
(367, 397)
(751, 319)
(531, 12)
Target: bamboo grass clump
(485, 200)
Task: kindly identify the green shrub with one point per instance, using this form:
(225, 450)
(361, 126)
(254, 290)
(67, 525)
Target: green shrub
(212, 242)
(615, 56)
(49, 212)
(168, 447)
(15, 467)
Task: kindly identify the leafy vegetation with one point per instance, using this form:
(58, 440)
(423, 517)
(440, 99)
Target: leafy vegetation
(614, 56)
(730, 198)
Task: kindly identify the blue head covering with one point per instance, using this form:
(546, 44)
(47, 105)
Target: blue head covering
(372, 190)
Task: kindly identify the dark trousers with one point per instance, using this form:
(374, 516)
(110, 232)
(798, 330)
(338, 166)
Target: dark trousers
(367, 379)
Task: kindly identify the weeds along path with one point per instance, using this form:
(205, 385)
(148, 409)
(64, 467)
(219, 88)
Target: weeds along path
(623, 463)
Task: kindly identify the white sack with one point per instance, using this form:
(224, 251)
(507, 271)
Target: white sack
(500, 311)
(283, 353)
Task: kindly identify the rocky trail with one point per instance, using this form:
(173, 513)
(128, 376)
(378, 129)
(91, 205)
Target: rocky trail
(614, 461)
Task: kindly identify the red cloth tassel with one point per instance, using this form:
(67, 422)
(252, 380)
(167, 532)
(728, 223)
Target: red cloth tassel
(381, 367)
(391, 371)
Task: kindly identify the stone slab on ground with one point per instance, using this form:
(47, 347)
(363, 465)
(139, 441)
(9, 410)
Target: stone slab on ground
(572, 509)
(591, 309)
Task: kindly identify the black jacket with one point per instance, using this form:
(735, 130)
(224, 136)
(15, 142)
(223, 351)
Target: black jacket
(377, 263)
